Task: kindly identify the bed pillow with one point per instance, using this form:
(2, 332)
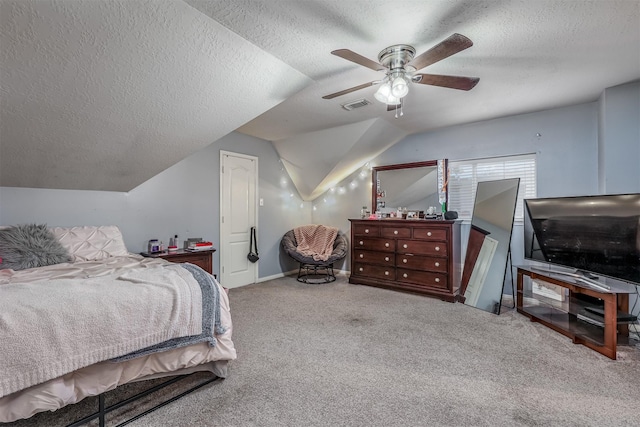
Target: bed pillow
(29, 246)
(91, 243)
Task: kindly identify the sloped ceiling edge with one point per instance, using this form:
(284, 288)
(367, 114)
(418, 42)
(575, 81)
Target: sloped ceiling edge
(92, 101)
(319, 160)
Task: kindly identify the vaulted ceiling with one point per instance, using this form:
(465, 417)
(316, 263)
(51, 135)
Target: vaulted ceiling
(105, 94)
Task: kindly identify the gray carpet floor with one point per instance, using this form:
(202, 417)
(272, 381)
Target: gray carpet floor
(346, 355)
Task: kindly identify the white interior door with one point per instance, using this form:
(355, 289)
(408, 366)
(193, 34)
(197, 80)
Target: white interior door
(238, 201)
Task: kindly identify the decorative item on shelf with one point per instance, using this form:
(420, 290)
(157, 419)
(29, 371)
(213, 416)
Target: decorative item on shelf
(199, 246)
(364, 212)
(191, 240)
(173, 244)
(451, 215)
(154, 246)
(443, 182)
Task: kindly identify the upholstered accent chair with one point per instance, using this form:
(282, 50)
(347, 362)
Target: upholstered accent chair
(314, 271)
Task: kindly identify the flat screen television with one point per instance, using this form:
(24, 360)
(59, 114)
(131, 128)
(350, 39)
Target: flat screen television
(595, 235)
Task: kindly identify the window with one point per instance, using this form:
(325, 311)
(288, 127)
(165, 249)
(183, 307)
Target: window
(464, 176)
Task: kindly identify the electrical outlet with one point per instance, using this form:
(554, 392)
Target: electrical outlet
(261, 201)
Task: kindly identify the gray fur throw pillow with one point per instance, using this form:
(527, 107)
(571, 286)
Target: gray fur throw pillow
(28, 246)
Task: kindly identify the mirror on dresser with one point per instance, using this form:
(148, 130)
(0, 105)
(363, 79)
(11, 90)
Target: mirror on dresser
(485, 262)
(415, 186)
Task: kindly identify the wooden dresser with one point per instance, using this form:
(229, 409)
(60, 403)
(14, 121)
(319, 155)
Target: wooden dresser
(420, 256)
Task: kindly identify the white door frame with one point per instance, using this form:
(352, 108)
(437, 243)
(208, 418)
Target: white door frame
(225, 253)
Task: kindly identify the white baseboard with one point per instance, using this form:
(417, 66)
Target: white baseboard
(276, 276)
(295, 272)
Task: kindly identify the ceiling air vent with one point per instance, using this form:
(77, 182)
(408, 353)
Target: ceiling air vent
(355, 104)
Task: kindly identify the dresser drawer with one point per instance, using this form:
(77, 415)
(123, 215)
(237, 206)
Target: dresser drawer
(374, 271)
(374, 244)
(426, 278)
(419, 247)
(430, 234)
(400, 232)
(418, 262)
(372, 257)
(372, 229)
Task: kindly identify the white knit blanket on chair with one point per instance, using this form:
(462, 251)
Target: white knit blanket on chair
(315, 241)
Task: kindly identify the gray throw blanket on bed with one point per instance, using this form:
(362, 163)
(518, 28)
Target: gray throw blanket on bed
(210, 318)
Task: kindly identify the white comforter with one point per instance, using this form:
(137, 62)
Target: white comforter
(52, 323)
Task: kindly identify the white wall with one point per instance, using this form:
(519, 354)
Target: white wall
(619, 140)
(183, 200)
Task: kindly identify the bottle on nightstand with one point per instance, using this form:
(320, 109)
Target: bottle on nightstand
(173, 244)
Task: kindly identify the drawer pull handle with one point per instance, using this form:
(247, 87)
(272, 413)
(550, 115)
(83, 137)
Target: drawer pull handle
(361, 269)
(361, 242)
(405, 275)
(429, 233)
(437, 280)
(405, 246)
(437, 263)
(395, 231)
(361, 255)
(437, 248)
(386, 273)
(366, 230)
(386, 258)
(386, 245)
(404, 260)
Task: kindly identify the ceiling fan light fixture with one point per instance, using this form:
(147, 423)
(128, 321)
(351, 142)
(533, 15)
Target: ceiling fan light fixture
(399, 64)
(399, 88)
(383, 92)
(392, 100)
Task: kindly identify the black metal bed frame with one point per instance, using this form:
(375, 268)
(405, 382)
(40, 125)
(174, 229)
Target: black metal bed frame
(104, 410)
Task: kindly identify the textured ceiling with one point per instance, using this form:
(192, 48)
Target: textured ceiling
(103, 94)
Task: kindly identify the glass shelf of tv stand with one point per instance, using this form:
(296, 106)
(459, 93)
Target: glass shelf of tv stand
(560, 309)
(563, 314)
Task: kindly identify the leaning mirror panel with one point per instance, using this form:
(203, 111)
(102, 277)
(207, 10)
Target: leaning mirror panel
(489, 241)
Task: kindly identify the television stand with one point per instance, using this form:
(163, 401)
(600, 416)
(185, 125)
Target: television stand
(563, 307)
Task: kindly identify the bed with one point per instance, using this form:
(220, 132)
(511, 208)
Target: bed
(87, 316)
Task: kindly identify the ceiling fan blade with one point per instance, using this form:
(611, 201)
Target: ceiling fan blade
(453, 82)
(358, 59)
(453, 44)
(352, 89)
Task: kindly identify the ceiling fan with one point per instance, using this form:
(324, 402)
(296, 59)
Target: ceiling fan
(400, 64)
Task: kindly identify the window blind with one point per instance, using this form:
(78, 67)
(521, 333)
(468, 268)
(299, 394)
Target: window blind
(464, 176)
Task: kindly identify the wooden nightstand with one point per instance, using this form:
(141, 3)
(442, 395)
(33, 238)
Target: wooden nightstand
(202, 259)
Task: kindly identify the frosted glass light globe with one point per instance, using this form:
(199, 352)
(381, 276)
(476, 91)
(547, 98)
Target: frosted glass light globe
(399, 88)
(383, 93)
